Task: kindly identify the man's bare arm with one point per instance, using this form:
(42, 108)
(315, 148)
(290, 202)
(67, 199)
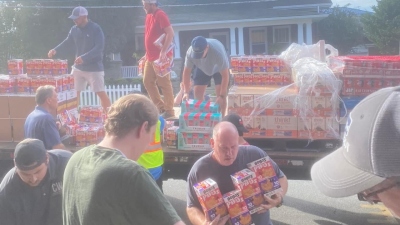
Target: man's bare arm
(60, 146)
(224, 82)
(186, 79)
(284, 184)
(196, 216)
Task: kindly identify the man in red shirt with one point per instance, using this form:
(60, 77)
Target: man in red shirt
(157, 23)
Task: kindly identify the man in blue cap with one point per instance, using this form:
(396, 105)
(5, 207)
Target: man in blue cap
(211, 61)
(88, 39)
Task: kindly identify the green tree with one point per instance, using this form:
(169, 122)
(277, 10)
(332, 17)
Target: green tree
(383, 26)
(341, 29)
(30, 32)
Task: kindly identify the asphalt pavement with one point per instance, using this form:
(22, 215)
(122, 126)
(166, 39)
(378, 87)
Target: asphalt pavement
(303, 205)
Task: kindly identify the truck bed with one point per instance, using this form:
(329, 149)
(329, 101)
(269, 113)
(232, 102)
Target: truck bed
(291, 153)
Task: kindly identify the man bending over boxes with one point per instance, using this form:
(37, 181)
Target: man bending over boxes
(211, 61)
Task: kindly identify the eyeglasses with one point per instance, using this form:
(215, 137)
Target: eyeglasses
(364, 196)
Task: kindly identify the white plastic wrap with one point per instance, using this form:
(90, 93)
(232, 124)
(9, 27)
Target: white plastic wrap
(317, 51)
(312, 81)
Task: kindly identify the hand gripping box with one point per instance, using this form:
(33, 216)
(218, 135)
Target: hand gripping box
(266, 176)
(237, 208)
(210, 199)
(246, 181)
(199, 106)
(198, 122)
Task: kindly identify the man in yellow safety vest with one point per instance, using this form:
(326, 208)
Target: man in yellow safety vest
(153, 157)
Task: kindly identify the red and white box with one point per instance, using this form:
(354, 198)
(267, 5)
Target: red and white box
(246, 181)
(266, 176)
(237, 208)
(210, 199)
(304, 128)
(282, 127)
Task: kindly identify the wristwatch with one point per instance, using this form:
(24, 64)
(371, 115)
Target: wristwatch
(222, 96)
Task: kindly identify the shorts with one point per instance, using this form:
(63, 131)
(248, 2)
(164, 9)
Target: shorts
(82, 78)
(200, 78)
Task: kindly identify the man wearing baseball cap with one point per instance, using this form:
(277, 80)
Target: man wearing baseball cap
(211, 61)
(368, 163)
(238, 122)
(30, 193)
(88, 40)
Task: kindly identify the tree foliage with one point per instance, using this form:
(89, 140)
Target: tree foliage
(31, 32)
(342, 29)
(383, 26)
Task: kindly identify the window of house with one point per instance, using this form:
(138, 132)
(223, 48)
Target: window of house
(139, 39)
(281, 34)
(258, 41)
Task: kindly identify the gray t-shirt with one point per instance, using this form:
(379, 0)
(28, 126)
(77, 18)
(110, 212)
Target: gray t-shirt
(215, 61)
(207, 167)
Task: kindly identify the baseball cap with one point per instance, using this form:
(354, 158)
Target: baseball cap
(237, 121)
(371, 148)
(29, 154)
(150, 1)
(78, 12)
(199, 44)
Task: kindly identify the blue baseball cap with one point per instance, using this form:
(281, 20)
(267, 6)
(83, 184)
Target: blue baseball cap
(199, 44)
(78, 12)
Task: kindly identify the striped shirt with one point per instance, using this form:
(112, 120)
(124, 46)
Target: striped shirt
(215, 61)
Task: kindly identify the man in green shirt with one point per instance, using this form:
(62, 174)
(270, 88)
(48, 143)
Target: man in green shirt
(104, 185)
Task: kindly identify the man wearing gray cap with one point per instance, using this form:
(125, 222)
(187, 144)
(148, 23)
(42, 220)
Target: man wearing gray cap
(88, 39)
(30, 193)
(368, 163)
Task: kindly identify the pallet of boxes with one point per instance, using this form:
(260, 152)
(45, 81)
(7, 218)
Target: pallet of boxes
(85, 129)
(17, 92)
(281, 101)
(363, 75)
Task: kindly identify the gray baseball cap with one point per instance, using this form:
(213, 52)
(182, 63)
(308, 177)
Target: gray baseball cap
(29, 154)
(370, 151)
(78, 12)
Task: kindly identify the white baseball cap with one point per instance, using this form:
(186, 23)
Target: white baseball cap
(78, 12)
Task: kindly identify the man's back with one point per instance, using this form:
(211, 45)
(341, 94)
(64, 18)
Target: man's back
(41, 125)
(21, 204)
(101, 186)
(215, 61)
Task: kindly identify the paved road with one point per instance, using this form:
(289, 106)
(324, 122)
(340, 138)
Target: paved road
(303, 205)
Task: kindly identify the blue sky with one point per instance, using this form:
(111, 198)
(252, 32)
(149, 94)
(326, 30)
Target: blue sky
(358, 4)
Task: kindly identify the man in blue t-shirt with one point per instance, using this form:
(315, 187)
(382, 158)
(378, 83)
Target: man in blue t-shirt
(40, 124)
(226, 159)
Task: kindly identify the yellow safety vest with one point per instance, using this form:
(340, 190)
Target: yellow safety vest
(153, 156)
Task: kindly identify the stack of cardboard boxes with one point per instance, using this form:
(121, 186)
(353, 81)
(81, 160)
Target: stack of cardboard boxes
(364, 75)
(278, 111)
(259, 71)
(196, 123)
(17, 97)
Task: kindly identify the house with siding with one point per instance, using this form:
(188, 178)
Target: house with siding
(245, 27)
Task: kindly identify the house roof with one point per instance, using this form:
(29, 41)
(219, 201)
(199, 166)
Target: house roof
(192, 11)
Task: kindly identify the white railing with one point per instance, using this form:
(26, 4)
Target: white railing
(129, 71)
(114, 92)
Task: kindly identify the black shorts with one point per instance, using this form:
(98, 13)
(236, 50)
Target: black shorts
(200, 78)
